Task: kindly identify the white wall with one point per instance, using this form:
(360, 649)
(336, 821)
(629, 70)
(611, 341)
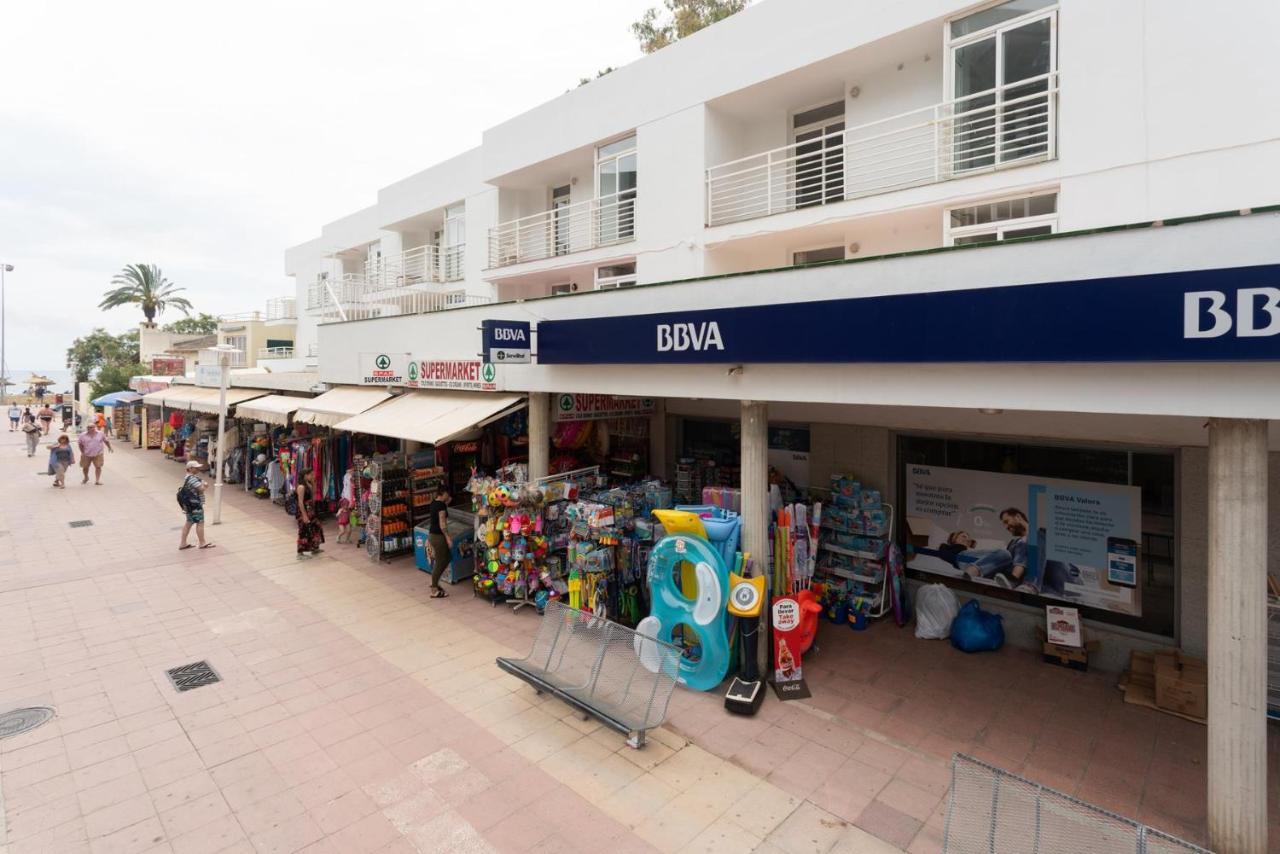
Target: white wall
(669, 214)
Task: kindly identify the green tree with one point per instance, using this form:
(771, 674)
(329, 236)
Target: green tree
(145, 286)
(201, 324)
(679, 19)
(100, 348)
(115, 376)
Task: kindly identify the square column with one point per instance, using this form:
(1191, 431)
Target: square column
(755, 480)
(539, 434)
(1237, 636)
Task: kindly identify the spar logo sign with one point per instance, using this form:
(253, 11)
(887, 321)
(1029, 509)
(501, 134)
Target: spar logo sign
(383, 368)
(488, 372)
(413, 371)
(594, 407)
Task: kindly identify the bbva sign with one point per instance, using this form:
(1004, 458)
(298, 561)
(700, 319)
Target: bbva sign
(678, 337)
(1205, 313)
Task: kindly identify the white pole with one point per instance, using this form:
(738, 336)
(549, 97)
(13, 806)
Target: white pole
(4, 367)
(224, 365)
(75, 369)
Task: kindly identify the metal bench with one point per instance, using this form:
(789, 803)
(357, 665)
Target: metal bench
(602, 669)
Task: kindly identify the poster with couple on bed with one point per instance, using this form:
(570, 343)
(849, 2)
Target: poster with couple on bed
(1062, 539)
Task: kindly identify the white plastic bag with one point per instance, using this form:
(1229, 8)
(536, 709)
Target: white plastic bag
(936, 607)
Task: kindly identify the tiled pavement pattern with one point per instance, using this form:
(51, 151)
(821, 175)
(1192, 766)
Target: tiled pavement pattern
(355, 715)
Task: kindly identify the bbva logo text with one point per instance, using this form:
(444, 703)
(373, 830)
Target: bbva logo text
(1205, 315)
(679, 337)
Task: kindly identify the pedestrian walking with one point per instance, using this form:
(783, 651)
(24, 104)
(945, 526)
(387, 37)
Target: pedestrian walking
(191, 500)
(100, 420)
(91, 442)
(15, 413)
(63, 456)
(310, 532)
(32, 432)
(438, 539)
(46, 418)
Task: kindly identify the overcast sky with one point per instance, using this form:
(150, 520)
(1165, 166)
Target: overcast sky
(206, 138)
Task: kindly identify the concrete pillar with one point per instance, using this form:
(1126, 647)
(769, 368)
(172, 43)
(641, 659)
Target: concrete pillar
(755, 481)
(539, 434)
(1237, 636)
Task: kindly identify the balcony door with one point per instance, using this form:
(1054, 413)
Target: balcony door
(616, 191)
(560, 197)
(1002, 64)
(453, 243)
(818, 173)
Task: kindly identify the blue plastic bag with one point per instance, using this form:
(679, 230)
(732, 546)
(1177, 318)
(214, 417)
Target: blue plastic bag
(976, 630)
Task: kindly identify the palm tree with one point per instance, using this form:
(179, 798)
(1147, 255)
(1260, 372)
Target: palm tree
(146, 286)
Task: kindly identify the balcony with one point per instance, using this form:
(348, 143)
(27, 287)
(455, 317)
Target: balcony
(352, 297)
(265, 353)
(422, 265)
(1000, 128)
(578, 227)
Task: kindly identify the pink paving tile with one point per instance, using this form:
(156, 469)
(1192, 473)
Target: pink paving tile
(891, 825)
(140, 836)
(850, 789)
(211, 838)
(882, 756)
(118, 816)
(371, 833)
(909, 799)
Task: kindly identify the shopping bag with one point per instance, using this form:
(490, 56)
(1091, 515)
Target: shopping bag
(936, 607)
(976, 630)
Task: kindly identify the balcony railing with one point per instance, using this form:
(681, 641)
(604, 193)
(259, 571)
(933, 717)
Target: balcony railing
(417, 266)
(572, 228)
(275, 353)
(1010, 125)
(352, 298)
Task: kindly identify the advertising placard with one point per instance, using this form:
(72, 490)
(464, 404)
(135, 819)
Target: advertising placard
(506, 341)
(383, 368)
(209, 376)
(166, 367)
(1065, 540)
(464, 374)
(593, 407)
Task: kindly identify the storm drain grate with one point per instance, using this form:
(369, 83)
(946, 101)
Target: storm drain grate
(81, 523)
(190, 676)
(23, 720)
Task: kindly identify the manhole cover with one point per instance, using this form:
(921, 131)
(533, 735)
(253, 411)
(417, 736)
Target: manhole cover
(192, 676)
(80, 523)
(22, 720)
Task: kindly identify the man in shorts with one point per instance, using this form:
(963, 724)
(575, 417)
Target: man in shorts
(193, 488)
(15, 412)
(91, 442)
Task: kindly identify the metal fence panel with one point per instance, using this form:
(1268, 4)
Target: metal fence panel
(991, 811)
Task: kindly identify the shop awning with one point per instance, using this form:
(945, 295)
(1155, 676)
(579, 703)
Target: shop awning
(339, 404)
(273, 409)
(431, 416)
(117, 398)
(198, 398)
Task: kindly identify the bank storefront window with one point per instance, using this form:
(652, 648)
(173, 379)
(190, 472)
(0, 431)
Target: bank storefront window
(1091, 527)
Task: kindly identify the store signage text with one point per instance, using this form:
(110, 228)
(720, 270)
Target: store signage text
(593, 407)
(1230, 314)
(1200, 306)
(507, 341)
(685, 336)
(165, 367)
(209, 376)
(469, 374)
(383, 368)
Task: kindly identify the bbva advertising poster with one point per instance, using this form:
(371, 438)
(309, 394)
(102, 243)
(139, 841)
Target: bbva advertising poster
(1062, 539)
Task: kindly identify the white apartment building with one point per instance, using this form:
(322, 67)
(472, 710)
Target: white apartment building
(1128, 152)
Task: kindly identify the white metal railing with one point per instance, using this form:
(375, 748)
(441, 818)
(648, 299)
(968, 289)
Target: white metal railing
(275, 352)
(420, 265)
(351, 299)
(282, 308)
(240, 317)
(1010, 125)
(572, 228)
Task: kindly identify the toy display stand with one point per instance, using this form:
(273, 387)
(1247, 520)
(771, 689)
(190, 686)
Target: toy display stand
(385, 507)
(512, 564)
(853, 549)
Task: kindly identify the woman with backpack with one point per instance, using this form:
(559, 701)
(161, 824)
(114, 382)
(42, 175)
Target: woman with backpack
(191, 500)
(310, 533)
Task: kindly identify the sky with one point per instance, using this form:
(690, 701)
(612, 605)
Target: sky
(207, 139)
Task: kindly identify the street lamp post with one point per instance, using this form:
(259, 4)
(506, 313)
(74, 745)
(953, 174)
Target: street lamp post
(75, 386)
(4, 366)
(225, 353)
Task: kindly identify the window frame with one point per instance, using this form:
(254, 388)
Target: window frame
(998, 227)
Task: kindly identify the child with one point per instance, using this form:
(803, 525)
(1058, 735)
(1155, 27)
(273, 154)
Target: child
(344, 521)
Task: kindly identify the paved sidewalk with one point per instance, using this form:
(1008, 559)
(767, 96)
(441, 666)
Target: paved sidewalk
(355, 715)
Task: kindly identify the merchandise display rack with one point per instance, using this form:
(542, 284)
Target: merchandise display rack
(865, 564)
(388, 532)
(423, 483)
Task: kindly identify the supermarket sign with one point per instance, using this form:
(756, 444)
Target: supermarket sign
(593, 407)
(464, 374)
(383, 368)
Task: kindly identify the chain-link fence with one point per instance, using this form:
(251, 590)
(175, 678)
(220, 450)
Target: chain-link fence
(994, 812)
(601, 668)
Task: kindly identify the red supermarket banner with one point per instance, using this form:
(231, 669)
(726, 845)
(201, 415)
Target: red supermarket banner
(591, 407)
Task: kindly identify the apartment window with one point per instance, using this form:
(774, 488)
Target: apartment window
(817, 256)
(616, 179)
(561, 290)
(616, 276)
(818, 135)
(991, 222)
(1001, 68)
(453, 242)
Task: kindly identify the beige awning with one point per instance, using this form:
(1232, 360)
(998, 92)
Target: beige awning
(199, 398)
(431, 416)
(273, 409)
(339, 404)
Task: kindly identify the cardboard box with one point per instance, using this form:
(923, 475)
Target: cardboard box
(1075, 657)
(1182, 684)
